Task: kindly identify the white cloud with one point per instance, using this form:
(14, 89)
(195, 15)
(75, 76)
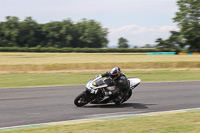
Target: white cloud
(140, 35)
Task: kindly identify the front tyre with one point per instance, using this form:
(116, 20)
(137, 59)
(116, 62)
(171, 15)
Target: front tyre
(82, 99)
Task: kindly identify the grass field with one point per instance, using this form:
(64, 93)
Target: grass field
(64, 58)
(32, 62)
(76, 78)
(187, 122)
(41, 69)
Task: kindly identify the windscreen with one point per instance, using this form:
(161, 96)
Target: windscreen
(98, 82)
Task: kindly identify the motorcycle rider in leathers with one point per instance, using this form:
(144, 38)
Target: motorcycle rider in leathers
(118, 79)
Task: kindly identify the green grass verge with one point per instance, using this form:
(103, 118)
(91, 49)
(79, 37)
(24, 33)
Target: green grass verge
(76, 78)
(188, 122)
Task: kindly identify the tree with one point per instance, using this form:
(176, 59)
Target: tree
(9, 32)
(52, 34)
(67, 33)
(177, 39)
(188, 18)
(123, 43)
(90, 33)
(29, 33)
(164, 44)
(147, 46)
(161, 44)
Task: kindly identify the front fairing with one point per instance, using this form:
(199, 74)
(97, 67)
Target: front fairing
(93, 85)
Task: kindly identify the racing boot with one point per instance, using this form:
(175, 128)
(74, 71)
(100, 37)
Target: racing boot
(119, 99)
(127, 94)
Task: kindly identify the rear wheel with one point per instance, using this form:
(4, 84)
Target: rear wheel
(82, 99)
(127, 96)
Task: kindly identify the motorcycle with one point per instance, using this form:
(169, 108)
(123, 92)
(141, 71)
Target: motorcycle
(95, 89)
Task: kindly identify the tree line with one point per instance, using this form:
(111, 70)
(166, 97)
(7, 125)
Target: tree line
(59, 34)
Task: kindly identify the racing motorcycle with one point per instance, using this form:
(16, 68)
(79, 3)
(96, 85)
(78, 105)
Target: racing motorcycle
(96, 88)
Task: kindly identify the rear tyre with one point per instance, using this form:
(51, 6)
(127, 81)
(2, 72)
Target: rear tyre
(81, 99)
(117, 103)
(128, 95)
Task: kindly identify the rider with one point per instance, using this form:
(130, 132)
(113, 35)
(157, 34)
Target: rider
(119, 80)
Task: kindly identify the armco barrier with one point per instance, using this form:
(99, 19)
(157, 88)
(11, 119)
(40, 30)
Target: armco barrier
(172, 53)
(161, 53)
(184, 53)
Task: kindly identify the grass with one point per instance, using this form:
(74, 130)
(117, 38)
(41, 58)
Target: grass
(31, 62)
(76, 78)
(187, 122)
(27, 69)
(64, 58)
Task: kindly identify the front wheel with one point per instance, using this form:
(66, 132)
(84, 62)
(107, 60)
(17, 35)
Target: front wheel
(81, 99)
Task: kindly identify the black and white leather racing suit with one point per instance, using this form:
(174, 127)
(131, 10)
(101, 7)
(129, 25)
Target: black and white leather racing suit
(122, 86)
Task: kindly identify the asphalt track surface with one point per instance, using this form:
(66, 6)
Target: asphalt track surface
(33, 105)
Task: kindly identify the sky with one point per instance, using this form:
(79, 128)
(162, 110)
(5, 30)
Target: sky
(139, 21)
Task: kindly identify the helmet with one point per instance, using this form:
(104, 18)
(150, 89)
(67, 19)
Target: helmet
(115, 72)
